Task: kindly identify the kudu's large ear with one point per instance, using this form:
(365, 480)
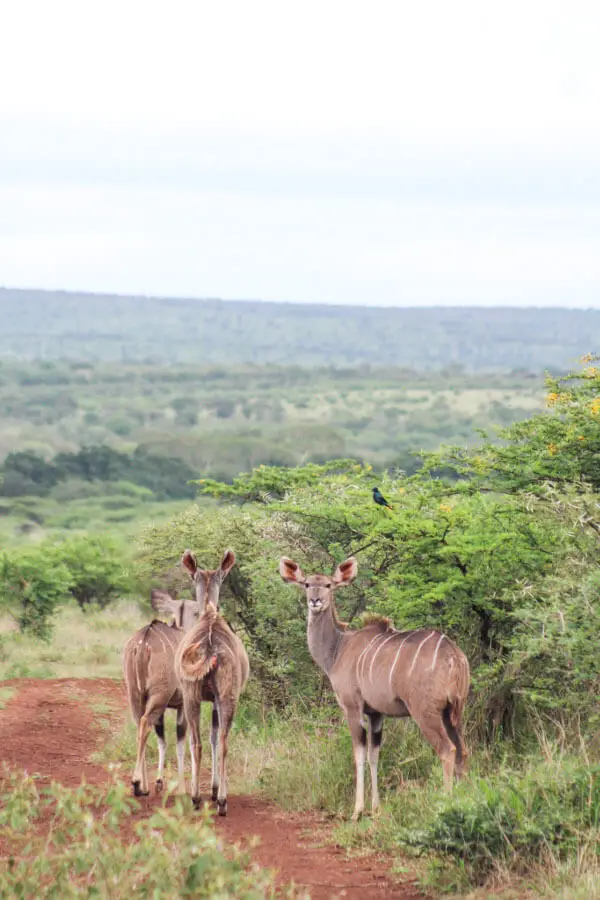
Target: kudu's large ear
(227, 563)
(345, 572)
(165, 604)
(189, 561)
(290, 571)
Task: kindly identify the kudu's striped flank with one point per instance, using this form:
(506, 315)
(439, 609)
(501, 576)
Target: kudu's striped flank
(377, 671)
(151, 683)
(211, 664)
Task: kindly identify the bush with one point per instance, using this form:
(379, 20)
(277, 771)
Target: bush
(97, 569)
(513, 819)
(33, 583)
(86, 854)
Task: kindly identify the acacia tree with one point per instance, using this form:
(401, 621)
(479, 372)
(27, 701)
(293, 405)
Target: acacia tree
(97, 568)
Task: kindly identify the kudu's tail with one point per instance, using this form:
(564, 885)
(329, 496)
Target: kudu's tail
(200, 657)
(137, 658)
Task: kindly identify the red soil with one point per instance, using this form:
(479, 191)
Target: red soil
(51, 728)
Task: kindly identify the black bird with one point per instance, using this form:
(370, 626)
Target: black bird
(380, 499)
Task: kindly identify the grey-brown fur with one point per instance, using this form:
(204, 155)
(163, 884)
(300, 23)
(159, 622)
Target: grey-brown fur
(151, 683)
(211, 664)
(377, 671)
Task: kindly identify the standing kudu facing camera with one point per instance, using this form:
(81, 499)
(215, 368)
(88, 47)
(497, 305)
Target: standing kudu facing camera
(377, 671)
(210, 664)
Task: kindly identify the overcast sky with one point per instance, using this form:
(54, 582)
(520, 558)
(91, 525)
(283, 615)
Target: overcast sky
(380, 153)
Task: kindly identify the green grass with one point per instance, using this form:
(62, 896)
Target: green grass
(83, 645)
(6, 693)
(515, 820)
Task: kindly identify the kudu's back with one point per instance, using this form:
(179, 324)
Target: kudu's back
(403, 673)
(148, 665)
(212, 657)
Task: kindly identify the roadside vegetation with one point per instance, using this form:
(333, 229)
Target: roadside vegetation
(84, 854)
(496, 544)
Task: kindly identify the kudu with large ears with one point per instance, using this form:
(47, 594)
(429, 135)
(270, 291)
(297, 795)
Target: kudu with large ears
(152, 686)
(377, 671)
(211, 664)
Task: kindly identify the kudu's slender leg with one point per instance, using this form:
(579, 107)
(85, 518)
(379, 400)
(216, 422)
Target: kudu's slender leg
(226, 714)
(374, 743)
(181, 732)
(359, 745)
(214, 737)
(162, 750)
(433, 730)
(137, 779)
(453, 724)
(192, 713)
(140, 773)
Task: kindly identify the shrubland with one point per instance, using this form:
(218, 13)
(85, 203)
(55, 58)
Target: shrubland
(497, 545)
(86, 853)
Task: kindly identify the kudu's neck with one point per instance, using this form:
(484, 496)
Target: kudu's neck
(324, 638)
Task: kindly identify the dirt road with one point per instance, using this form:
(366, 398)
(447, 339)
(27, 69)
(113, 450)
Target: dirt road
(52, 728)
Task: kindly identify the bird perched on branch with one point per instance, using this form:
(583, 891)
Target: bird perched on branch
(380, 499)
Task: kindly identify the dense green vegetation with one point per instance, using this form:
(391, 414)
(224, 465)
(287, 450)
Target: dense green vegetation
(59, 325)
(497, 546)
(496, 541)
(86, 446)
(27, 473)
(86, 855)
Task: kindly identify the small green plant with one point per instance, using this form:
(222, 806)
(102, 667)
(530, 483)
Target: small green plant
(511, 820)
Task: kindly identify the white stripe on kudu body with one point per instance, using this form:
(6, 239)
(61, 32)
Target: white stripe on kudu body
(396, 658)
(435, 655)
(381, 646)
(434, 695)
(424, 641)
(362, 658)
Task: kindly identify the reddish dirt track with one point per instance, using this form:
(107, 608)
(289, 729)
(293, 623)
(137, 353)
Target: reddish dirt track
(50, 728)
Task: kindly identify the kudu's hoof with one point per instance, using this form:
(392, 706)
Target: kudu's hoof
(222, 807)
(158, 785)
(137, 789)
(215, 793)
(197, 801)
(356, 815)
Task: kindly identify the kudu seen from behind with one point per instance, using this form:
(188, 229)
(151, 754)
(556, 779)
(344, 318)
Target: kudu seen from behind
(377, 671)
(148, 667)
(210, 664)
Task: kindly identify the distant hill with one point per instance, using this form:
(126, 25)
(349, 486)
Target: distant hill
(54, 325)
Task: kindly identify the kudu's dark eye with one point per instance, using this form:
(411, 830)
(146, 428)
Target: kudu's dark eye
(306, 584)
(328, 585)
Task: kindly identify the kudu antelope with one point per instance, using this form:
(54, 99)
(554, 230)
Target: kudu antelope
(377, 671)
(210, 664)
(148, 667)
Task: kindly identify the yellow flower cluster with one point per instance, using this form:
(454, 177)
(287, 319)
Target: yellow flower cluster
(552, 449)
(595, 406)
(552, 399)
(581, 437)
(445, 508)
(587, 358)
(590, 372)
